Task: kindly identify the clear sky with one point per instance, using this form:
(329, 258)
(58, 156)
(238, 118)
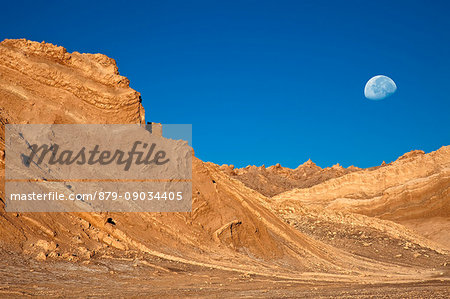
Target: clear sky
(264, 82)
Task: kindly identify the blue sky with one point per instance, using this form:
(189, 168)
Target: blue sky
(265, 82)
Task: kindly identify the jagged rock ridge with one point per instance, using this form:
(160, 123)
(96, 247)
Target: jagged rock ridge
(277, 179)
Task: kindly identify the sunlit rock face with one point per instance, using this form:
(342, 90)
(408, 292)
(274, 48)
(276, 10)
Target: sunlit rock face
(43, 83)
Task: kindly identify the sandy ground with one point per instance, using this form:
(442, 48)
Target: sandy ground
(120, 277)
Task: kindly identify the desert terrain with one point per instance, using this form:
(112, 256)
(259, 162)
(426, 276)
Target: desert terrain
(253, 232)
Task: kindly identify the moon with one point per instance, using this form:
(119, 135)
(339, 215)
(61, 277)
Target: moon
(379, 88)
